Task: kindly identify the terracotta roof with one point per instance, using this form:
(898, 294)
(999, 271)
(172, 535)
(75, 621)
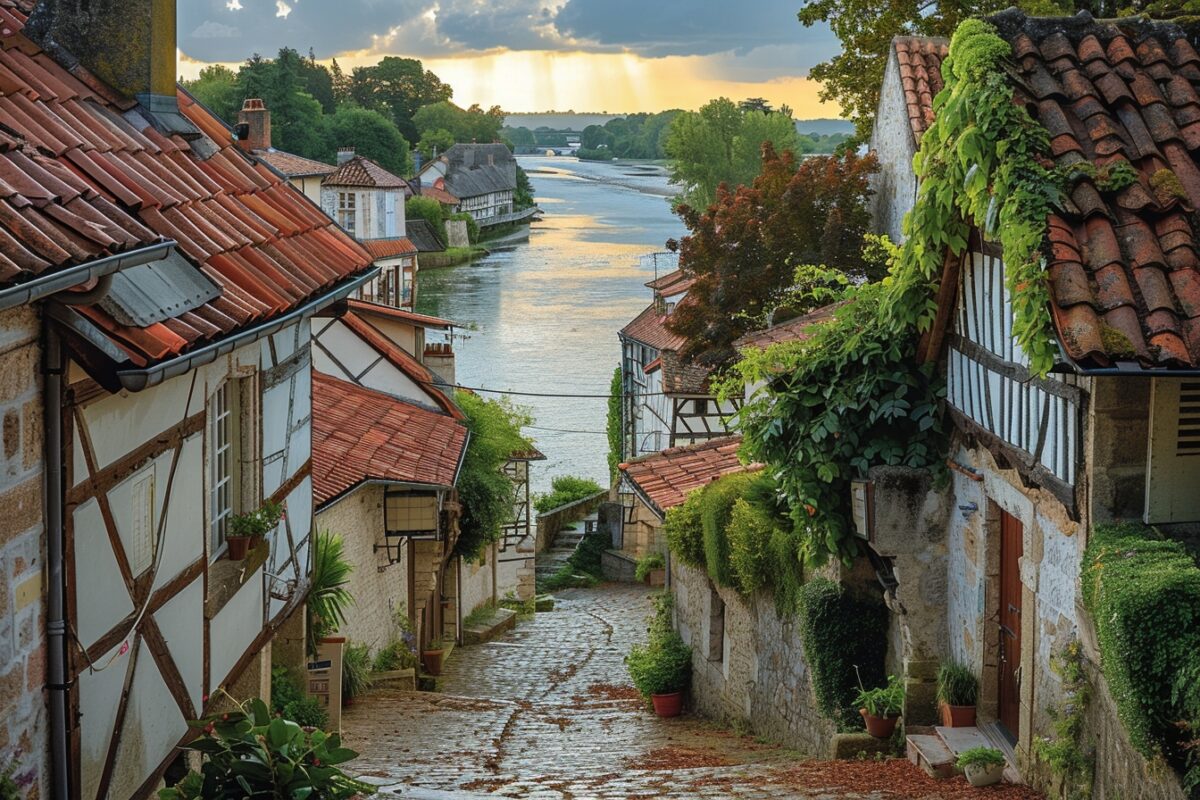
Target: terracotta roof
(293, 166)
(683, 378)
(438, 193)
(666, 478)
(360, 434)
(920, 61)
(1123, 266)
(389, 248)
(532, 454)
(84, 175)
(362, 171)
(402, 360)
(672, 283)
(794, 330)
(368, 308)
(650, 328)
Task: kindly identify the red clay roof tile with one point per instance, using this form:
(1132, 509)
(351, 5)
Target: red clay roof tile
(920, 61)
(666, 478)
(360, 434)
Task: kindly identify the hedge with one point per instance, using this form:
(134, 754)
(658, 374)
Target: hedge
(685, 538)
(1143, 593)
(841, 630)
(716, 508)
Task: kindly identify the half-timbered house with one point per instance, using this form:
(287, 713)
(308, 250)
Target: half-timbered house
(1108, 434)
(667, 402)
(173, 279)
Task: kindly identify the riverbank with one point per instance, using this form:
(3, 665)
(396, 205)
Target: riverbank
(644, 176)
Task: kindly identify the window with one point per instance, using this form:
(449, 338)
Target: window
(223, 434)
(700, 407)
(670, 306)
(345, 211)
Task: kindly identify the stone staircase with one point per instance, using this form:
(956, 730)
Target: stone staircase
(552, 559)
(936, 749)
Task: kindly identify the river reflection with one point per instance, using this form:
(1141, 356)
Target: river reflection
(545, 313)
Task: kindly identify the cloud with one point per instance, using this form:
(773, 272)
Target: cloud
(282, 9)
(214, 30)
(234, 5)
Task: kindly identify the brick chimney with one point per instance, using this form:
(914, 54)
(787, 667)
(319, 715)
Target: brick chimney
(344, 154)
(128, 44)
(257, 119)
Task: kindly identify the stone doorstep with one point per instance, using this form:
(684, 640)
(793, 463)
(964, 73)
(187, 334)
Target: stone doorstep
(942, 748)
(499, 621)
(930, 754)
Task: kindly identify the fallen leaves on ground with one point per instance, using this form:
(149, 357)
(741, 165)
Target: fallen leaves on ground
(609, 691)
(670, 757)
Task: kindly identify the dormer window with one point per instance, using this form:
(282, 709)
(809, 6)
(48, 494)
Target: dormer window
(670, 306)
(345, 211)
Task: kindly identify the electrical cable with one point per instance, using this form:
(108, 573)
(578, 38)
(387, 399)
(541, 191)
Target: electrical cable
(541, 394)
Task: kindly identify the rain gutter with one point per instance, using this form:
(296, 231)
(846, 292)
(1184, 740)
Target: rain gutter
(46, 285)
(135, 380)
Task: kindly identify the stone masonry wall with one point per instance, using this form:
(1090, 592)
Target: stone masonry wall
(748, 664)
(24, 725)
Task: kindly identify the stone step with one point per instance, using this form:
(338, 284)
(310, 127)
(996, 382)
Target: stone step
(930, 754)
(957, 740)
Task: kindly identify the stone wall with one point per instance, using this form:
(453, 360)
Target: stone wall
(748, 664)
(1120, 428)
(895, 185)
(644, 534)
(24, 726)
(379, 587)
(475, 586)
(554, 520)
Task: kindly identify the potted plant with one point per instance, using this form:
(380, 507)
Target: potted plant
(983, 766)
(957, 692)
(248, 752)
(880, 708)
(432, 656)
(651, 568)
(661, 671)
(246, 529)
(356, 672)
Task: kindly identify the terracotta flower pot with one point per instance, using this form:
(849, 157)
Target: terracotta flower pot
(979, 775)
(879, 727)
(667, 705)
(958, 716)
(433, 661)
(239, 546)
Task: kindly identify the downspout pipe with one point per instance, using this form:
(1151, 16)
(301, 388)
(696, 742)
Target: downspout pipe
(54, 365)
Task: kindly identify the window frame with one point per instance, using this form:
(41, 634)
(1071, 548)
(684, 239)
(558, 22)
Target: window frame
(347, 211)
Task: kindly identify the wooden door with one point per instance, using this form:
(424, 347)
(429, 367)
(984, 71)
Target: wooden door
(1009, 699)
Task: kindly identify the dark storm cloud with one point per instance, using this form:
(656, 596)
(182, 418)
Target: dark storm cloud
(681, 27)
(230, 30)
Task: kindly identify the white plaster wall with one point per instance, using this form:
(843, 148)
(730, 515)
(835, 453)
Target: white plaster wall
(97, 612)
(181, 621)
(476, 586)
(892, 143)
(149, 734)
(233, 630)
(967, 570)
(181, 546)
(99, 696)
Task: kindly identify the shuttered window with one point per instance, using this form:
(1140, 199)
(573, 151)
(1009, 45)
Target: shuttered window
(1174, 452)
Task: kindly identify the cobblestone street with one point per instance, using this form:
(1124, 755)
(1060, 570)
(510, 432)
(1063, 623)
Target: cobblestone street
(546, 712)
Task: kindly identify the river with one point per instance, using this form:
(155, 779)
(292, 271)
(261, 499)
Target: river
(543, 314)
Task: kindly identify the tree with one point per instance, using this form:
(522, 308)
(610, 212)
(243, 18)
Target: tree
(399, 87)
(371, 134)
(428, 209)
(596, 136)
(756, 104)
(721, 144)
(520, 137)
(464, 125)
(434, 142)
(318, 82)
(217, 87)
(745, 248)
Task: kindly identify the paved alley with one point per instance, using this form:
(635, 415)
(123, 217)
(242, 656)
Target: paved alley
(547, 712)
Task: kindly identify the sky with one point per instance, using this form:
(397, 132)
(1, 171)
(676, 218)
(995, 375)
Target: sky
(537, 55)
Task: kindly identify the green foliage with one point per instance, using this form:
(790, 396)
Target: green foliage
(217, 88)
(980, 164)
(328, 597)
(284, 688)
(684, 531)
(719, 144)
(523, 194)
(566, 489)
(844, 635)
(647, 564)
(957, 685)
(356, 671)
(831, 406)
(371, 134)
(462, 125)
(1143, 592)
(486, 493)
(472, 225)
(428, 209)
(883, 701)
(397, 87)
(716, 509)
(8, 787)
(307, 712)
(642, 136)
(257, 523)
(396, 654)
(984, 757)
(250, 753)
(664, 664)
(614, 423)
(1063, 753)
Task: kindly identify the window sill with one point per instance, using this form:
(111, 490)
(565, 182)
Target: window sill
(226, 578)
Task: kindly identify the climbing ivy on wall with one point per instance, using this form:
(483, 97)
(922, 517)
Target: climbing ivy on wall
(614, 424)
(982, 163)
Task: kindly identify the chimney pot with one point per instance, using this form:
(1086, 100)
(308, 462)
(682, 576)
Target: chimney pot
(257, 119)
(344, 154)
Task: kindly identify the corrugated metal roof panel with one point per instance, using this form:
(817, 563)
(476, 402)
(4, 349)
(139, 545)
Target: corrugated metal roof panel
(157, 291)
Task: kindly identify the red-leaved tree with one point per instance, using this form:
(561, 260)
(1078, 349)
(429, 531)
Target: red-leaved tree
(744, 249)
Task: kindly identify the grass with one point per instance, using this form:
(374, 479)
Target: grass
(480, 615)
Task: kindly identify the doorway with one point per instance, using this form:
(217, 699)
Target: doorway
(1009, 683)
